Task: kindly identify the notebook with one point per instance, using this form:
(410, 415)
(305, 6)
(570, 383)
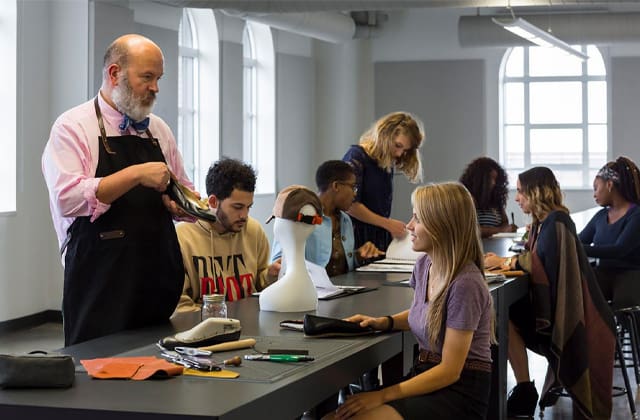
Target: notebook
(326, 289)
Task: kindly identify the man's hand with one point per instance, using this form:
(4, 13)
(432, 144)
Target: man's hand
(274, 268)
(154, 175)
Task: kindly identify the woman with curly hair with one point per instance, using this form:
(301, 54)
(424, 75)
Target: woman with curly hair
(612, 236)
(564, 317)
(390, 144)
(487, 182)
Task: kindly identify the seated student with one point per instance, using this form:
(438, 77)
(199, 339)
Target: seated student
(487, 182)
(564, 317)
(451, 317)
(613, 234)
(231, 255)
(331, 243)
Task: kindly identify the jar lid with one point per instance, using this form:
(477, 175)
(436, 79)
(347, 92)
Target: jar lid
(215, 298)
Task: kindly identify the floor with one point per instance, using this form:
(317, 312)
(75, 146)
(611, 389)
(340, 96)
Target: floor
(49, 337)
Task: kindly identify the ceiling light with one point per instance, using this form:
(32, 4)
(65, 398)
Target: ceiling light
(532, 33)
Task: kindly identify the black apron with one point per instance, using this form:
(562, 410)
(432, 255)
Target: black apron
(125, 269)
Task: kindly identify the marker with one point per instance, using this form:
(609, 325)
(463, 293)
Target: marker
(279, 357)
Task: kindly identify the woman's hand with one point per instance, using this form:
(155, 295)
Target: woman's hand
(493, 261)
(360, 402)
(396, 228)
(369, 250)
(368, 321)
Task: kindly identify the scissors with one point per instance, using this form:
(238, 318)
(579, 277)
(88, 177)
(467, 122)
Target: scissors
(191, 351)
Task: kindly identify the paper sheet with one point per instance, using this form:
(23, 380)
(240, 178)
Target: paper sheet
(400, 249)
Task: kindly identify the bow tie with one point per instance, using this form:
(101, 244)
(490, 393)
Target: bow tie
(139, 126)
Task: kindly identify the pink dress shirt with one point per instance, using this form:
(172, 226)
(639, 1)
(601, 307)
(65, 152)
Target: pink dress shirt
(70, 159)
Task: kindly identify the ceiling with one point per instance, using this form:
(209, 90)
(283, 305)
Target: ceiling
(288, 6)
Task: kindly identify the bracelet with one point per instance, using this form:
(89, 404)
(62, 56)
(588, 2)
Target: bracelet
(390, 327)
(507, 263)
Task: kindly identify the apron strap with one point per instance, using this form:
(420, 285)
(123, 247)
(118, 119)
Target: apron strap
(103, 132)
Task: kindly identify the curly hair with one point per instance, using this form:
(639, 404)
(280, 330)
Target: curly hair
(378, 140)
(228, 174)
(628, 183)
(477, 178)
(540, 187)
(447, 212)
(331, 171)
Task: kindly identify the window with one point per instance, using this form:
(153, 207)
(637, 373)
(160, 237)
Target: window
(250, 63)
(8, 52)
(259, 104)
(198, 93)
(554, 113)
(188, 93)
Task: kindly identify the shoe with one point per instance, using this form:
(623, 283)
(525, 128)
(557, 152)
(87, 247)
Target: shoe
(208, 332)
(522, 400)
(189, 202)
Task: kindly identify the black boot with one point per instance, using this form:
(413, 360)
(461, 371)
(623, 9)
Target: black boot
(522, 400)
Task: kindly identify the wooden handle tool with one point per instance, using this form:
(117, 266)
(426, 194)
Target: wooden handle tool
(231, 345)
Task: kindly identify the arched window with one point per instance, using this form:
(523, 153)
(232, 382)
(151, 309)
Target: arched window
(554, 113)
(198, 93)
(8, 52)
(249, 86)
(259, 104)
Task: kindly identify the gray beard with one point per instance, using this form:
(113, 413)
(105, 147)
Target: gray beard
(127, 103)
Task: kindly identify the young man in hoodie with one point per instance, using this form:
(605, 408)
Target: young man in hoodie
(231, 255)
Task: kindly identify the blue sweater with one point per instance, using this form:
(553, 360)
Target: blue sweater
(617, 245)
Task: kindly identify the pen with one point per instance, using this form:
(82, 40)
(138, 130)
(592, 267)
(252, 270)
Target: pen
(279, 357)
(513, 219)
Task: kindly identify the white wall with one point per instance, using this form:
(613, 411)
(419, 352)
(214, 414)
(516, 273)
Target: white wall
(48, 82)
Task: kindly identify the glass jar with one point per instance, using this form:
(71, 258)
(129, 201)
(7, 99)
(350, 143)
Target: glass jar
(213, 306)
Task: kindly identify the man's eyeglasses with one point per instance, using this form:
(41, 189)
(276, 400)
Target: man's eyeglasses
(353, 186)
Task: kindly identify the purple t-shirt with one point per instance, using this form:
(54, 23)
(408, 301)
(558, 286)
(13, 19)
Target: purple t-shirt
(469, 307)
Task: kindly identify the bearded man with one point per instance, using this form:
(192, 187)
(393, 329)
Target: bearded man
(231, 255)
(107, 164)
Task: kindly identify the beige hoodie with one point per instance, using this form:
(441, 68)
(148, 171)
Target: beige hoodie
(232, 264)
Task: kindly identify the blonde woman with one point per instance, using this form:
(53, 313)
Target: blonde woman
(564, 317)
(390, 144)
(451, 317)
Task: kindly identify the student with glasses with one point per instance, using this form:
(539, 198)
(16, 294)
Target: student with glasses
(391, 144)
(331, 245)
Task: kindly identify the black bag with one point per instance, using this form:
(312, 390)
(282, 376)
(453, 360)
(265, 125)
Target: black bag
(36, 370)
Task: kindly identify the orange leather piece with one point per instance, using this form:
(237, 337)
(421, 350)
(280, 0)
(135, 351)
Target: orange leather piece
(136, 368)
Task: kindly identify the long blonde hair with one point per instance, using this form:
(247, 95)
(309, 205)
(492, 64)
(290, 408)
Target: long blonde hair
(448, 214)
(377, 141)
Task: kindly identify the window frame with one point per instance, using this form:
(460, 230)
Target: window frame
(526, 79)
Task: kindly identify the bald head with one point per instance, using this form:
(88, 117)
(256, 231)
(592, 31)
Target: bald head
(128, 47)
(133, 65)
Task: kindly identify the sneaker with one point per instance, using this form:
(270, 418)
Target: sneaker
(522, 400)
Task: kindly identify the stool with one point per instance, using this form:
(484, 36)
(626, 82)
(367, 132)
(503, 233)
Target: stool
(629, 321)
